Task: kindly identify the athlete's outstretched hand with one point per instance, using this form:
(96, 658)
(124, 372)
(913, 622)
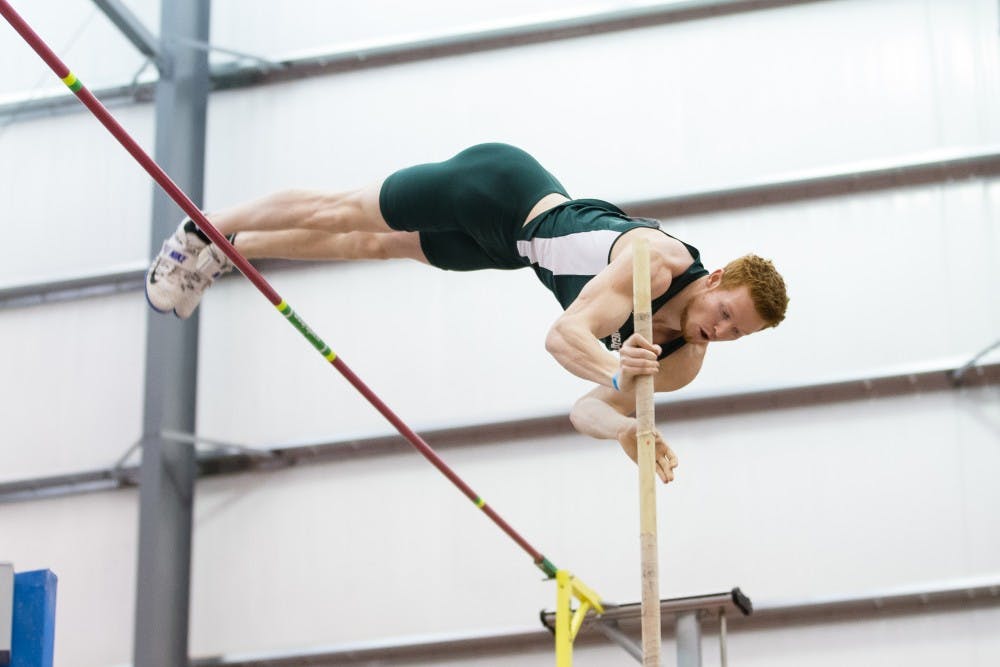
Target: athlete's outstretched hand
(666, 460)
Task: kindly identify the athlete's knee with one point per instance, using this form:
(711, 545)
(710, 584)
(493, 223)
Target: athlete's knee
(402, 245)
(369, 246)
(392, 245)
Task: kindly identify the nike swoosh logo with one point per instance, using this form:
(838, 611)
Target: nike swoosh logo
(152, 272)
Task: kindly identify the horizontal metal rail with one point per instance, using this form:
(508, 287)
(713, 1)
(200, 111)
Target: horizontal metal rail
(250, 459)
(72, 289)
(940, 167)
(948, 597)
(442, 45)
(945, 168)
(119, 281)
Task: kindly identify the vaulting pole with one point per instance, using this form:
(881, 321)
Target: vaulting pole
(185, 203)
(644, 413)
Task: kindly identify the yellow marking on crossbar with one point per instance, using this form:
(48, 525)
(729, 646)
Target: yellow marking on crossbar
(69, 79)
(331, 355)
(480, 503)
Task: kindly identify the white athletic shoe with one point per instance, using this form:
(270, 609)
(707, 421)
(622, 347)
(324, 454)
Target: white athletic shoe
(211, 264)
(173, 272)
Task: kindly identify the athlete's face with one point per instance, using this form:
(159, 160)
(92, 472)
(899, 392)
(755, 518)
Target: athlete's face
(719, 315)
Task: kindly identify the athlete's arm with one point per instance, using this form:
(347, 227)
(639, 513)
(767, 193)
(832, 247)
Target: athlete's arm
(606, 414)
(601, 308)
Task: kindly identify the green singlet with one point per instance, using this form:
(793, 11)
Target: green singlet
(470, 212)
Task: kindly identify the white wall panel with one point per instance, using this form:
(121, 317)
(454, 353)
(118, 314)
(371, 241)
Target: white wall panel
(643, 113)
(266, 29)
(880, 281)
(81, 35)
(438, 348)
(710, 119)
(886, 494)
(71, 394)
(74, 201)
(963, 638)
(789, 504)
(926, 640)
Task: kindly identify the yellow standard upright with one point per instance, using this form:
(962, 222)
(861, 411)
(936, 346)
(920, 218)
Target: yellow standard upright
(569, 620)
(643, 315)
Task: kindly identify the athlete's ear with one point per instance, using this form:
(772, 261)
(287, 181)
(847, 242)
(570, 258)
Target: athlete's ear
(714, 278)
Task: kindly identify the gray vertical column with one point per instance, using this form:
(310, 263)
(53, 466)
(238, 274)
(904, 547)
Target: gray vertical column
(688, 639)
(168, 468)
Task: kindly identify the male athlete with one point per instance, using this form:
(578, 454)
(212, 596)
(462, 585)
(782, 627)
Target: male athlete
(493, 206)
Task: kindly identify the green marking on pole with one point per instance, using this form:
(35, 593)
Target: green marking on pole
(304, 329)
(547, 567)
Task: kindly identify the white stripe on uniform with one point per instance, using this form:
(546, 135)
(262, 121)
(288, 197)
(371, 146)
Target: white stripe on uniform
(580, 254)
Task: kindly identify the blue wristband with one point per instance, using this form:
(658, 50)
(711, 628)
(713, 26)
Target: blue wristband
(614, 381)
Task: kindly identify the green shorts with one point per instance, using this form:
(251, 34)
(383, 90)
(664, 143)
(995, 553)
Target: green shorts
(469, 209)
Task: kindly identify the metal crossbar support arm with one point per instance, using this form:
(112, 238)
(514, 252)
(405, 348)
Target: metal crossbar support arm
(254, 276)
(733, 602)
(613, 631)
(688, 611)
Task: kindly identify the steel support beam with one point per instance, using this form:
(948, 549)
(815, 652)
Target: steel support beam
(133, 29)
(942, 167)
(245, 459)
(569, 26)
(72, 289)
(168, 471)
(688, 634)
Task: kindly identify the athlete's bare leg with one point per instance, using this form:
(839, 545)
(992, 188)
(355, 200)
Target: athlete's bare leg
(352, 211)
(308, 244)
(294, 224)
